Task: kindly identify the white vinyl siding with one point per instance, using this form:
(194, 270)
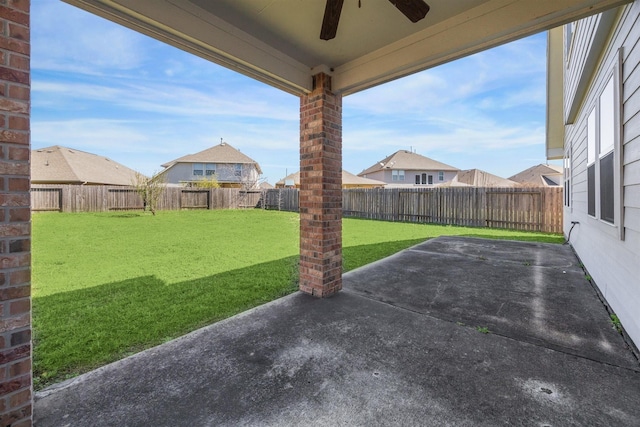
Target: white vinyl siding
(608, 245)
(181, 173)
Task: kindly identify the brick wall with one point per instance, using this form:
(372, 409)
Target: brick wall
(321, 190)
(15, 230)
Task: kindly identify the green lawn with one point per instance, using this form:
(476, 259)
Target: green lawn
(106, 285)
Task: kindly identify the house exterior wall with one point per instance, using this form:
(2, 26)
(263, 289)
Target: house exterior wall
(609, 252)
(386, 175)
(224, 173)
(15, 216)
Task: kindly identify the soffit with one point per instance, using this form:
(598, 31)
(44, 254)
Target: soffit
(277, 41)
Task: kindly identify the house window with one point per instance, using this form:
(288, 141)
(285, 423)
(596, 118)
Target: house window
(567, 176)
(607, 138)
(591, 163)
(424, 178)
(601, 142)
(441, 176)
(417, 179)
(430, 179)
(238, 170)
(198, 169)
(210, 169)
(397, 175)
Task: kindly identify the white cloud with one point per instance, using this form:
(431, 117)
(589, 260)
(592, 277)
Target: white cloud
(140, 95)
(65, 38)
(89, 134)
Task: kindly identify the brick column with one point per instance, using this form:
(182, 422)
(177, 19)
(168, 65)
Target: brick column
(15, 216)
(321, 189)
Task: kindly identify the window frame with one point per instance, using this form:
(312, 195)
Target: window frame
(195, 168)
(209, 167)
(441, 176)
(617, 226)
(397, 175)
(567, 164)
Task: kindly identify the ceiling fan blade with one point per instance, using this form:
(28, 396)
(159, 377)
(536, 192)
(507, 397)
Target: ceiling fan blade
(331, 18)
(415, 10)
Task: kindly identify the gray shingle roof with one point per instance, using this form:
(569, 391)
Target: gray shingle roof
(407, 160)
(539, 175)
(221, 153)
(347, 179)
(479, 178)
(58, 164)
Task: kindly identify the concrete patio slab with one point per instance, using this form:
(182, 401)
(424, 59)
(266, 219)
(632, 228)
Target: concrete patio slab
(391, 354)
(531, 292)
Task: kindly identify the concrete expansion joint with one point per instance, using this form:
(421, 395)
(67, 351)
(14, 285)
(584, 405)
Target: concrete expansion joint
(524, 262)
(554, 348)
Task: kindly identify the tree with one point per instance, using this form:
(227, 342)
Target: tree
(150, 190)
(211, 182)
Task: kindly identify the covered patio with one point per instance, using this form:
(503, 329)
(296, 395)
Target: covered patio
(279, 43)
(454, 331)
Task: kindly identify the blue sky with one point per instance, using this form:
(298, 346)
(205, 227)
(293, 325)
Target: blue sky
(101, 88)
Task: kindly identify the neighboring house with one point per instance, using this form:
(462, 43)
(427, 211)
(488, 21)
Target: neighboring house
(349, 180)
(593, 116)
(408, 169)
(479, 178)
(62, 165)
(229, 166)
(539, 176)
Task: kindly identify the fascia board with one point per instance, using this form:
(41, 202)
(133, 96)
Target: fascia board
(555, 94)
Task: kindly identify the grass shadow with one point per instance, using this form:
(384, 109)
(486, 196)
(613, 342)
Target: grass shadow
(127, 214)
(80, 330)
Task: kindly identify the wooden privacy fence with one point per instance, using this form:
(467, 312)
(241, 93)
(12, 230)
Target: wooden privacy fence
(100, 198)
(529, 209)
(282, 199)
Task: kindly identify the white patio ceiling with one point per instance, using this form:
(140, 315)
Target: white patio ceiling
(277, 41)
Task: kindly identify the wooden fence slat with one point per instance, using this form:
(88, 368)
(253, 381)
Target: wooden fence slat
(529, 209)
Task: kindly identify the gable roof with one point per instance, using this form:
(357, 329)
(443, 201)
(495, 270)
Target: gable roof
(348, 179)
(221, 153)
(408, 160)
(539, 175)
(59, 164)
(479, 178)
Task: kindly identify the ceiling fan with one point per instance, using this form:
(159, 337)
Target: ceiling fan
(415, 10)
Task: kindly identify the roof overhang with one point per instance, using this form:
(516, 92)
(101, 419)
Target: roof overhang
(277, 41)
(555, 98)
